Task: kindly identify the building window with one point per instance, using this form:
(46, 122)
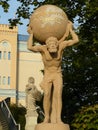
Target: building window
(9, 80)
(9, 55)
(0, 54)
(4, 80)
(4, 55)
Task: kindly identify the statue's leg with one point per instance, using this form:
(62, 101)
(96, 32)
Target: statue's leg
(53, 110)
(57, 95)
(47, 102)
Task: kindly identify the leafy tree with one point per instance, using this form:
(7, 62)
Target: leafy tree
(5, 5)
(80, 69)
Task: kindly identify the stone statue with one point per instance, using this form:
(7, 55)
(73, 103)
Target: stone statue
(51, 48)
(32, 95)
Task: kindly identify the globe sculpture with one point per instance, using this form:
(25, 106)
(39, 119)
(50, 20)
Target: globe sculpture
(48, 20)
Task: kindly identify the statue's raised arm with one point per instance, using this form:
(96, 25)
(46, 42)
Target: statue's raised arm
(30, 43)
(74, 36)
(66, 34)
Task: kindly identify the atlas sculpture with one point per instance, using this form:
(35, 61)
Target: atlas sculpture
(50, 26)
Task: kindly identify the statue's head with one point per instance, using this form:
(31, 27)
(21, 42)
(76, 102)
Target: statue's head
(31, 80)
(52, 44)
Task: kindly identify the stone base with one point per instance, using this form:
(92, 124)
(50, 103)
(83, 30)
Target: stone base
(30, 123)
(50, 126)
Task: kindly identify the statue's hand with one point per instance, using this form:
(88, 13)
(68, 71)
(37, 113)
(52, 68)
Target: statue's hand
(70, 25)
(30, 30)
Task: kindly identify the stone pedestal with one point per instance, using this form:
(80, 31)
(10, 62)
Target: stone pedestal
(50, 126)
(31, 121)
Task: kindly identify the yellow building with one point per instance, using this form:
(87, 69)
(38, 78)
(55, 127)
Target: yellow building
(17, 64)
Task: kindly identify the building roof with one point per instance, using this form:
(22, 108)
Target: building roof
(22, 37)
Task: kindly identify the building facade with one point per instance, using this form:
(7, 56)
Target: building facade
(17, 64)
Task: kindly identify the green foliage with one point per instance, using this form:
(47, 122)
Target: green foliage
(5, 5)
(80, 76)
(19, 115)
(86, 118)
(80, 61)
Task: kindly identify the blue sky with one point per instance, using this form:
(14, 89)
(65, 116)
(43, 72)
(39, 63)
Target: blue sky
(22, 29)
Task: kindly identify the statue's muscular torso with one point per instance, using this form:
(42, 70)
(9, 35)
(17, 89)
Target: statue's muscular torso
(52, 62)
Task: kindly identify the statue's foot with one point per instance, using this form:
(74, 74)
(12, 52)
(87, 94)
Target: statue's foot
(54, 122)
(46, 120)
(59, 121)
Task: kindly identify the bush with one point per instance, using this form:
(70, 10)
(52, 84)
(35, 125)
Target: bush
(86, 118)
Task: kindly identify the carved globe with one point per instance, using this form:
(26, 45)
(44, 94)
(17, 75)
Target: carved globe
(48, 20)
